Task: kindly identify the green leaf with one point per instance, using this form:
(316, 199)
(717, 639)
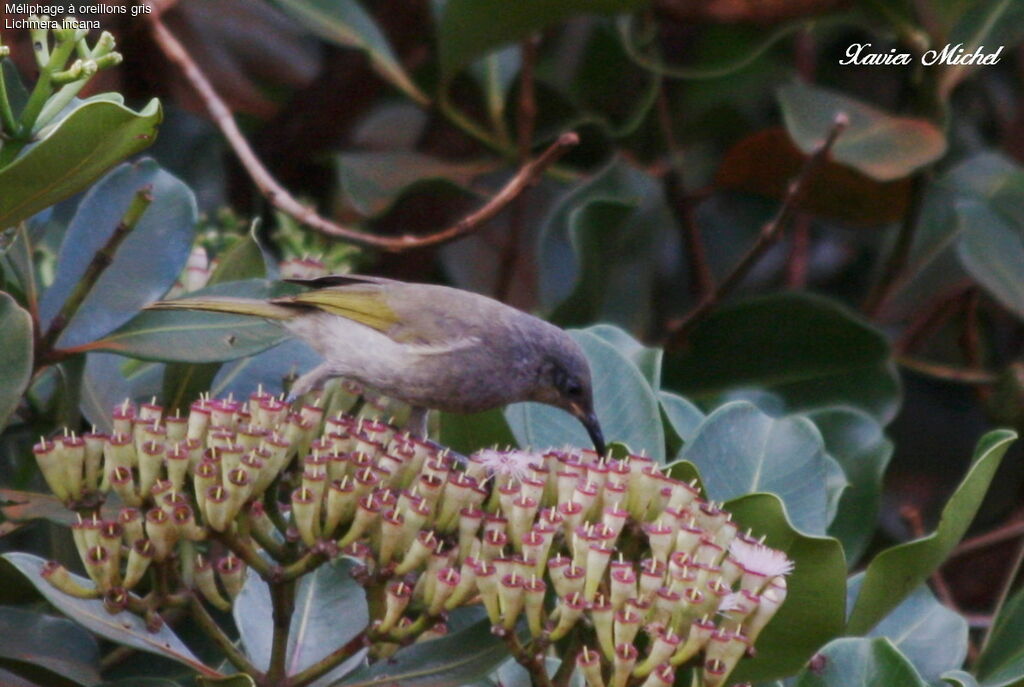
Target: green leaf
(960, 677)
(43, 647)
(90, 140)
(597, 248)
(239, 680)
(372, 182)
(349, 25)
(883, 146)
(470, 29)
(472, 432)
(814, 608)
(987, 24)
(856, 441)
(450, 661)
(682, 418)
(15, 355)
(330, 610)
(860, 662)
(624, 402)
(269, 369)
(991, 248)
(1002, 660)
(145, 266)
(739, 449)
(196, 337)
(808, 350)
(122, 628)
(931, 636)
(647, 359)
(897, 571)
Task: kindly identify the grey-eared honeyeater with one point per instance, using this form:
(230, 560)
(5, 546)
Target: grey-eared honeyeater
(427, 345)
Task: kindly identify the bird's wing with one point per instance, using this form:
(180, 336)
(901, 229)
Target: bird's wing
(365, 305)
(339, 280)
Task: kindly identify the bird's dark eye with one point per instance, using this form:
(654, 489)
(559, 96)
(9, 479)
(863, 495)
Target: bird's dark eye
(573, 389)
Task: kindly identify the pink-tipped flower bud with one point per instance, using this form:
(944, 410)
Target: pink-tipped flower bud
(206, 583)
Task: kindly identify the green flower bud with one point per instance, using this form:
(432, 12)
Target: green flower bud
(447, 581)
(623, 584)
(487, 583)
(124, 419)
(652, 576)
(217, 506)
(568, 612)
(198, 420)
(94, 444)
(696, 639)
(59, 578)
(123, 483)
(206, 583)
(176, 428)
(589, 664)
(71, 453)
(396, 600)
(662, 676)
(161, 531)
(627, 625)
(535, 546)
(662, 648)
(177, 460)
(306, 515)
(598, 557)
(622, 664)
(205, 478)
(132, 529)
(511, 599)
(419, 551)
(602, 615)
(139, 556)
(99, 564)
(48, 457)
(151, 460)
(232, 572)
(770, 601)
(366, 515)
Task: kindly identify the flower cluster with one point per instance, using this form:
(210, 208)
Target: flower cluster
(647, 574)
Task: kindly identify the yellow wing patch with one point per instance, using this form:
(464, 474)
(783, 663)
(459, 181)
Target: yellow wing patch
(363, 306)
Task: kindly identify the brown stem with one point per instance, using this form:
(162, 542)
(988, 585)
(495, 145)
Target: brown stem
(930, 318)
(527, 658)
(681, 204)
(526, 118)
(1004, 533)
(244, 549)
(770, 232)
(212, 630)
(281, 199)
(282, 598)
(98, 265)
(892, 272)
(328, 662)
(947, 373)
(568, 665)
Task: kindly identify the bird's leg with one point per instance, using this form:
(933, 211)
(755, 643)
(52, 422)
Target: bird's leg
(314, 379)
(417, 422)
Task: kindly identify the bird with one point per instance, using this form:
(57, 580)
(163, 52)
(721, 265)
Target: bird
(431, 346)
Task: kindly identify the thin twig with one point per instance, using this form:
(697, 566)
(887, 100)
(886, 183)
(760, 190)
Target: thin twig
(212, 630)
(947, 373)
(1004, 594)
(1004, 533)
(770, 232)
(98, 265)
(800, 252)
(892, 273)
(681, 205)
(281, 199)
(526, 118)
(328, 662)
(930, 318)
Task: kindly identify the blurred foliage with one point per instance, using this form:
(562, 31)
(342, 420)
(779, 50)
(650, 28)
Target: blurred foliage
(826, 375)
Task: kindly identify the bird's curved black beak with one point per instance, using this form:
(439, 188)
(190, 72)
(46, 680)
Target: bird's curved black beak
(593, 427)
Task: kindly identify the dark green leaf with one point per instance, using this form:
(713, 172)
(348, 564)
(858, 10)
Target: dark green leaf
(1002, 661)
(89, 141)
(471, 28)
(683, 417)
(347, 24)
(861, 662)
(897, 571)
(624, 402)
(56, 649)
(814, 609)
(123, 628)
(145, 266)
(330, 610)
(450, 661)
(468, 433)
(986, 24)
(739, 449)
(856, 441)
(647, 359)
(239, 680)
(961, 678)
(810, 351)
(373, 181)
(15, 355)
(196, 337)
(991, 248)
(880, 145)
(931, 636)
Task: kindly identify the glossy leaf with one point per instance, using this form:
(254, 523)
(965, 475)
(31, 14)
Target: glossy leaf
(196, 337)
(960, 678)
(471, 28)
(991, 248)
(349, 25)
(89, 141)
(15, 355)
(106, 383)
(598, 245)
(269, 368)
(123, 628)
(47, 648)
(145, 266)
(808, 350)
(330, 610)
(861, 662)
(766, 161)
(683, 417)
(856, 441)
(882, 146)
(897, 571)
(814, 609)
(1002, 661)
(450, 661)
(646, 358)
(929, 635)
(624, 402)
(739, 450)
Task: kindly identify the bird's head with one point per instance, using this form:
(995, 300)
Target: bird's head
(564, 382)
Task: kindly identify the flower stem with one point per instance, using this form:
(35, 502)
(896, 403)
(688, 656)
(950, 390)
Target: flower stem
(328, 662)
(282, 597)
(212, 630)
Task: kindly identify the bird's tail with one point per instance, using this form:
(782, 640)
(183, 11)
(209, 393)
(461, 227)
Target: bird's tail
(235, 306)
